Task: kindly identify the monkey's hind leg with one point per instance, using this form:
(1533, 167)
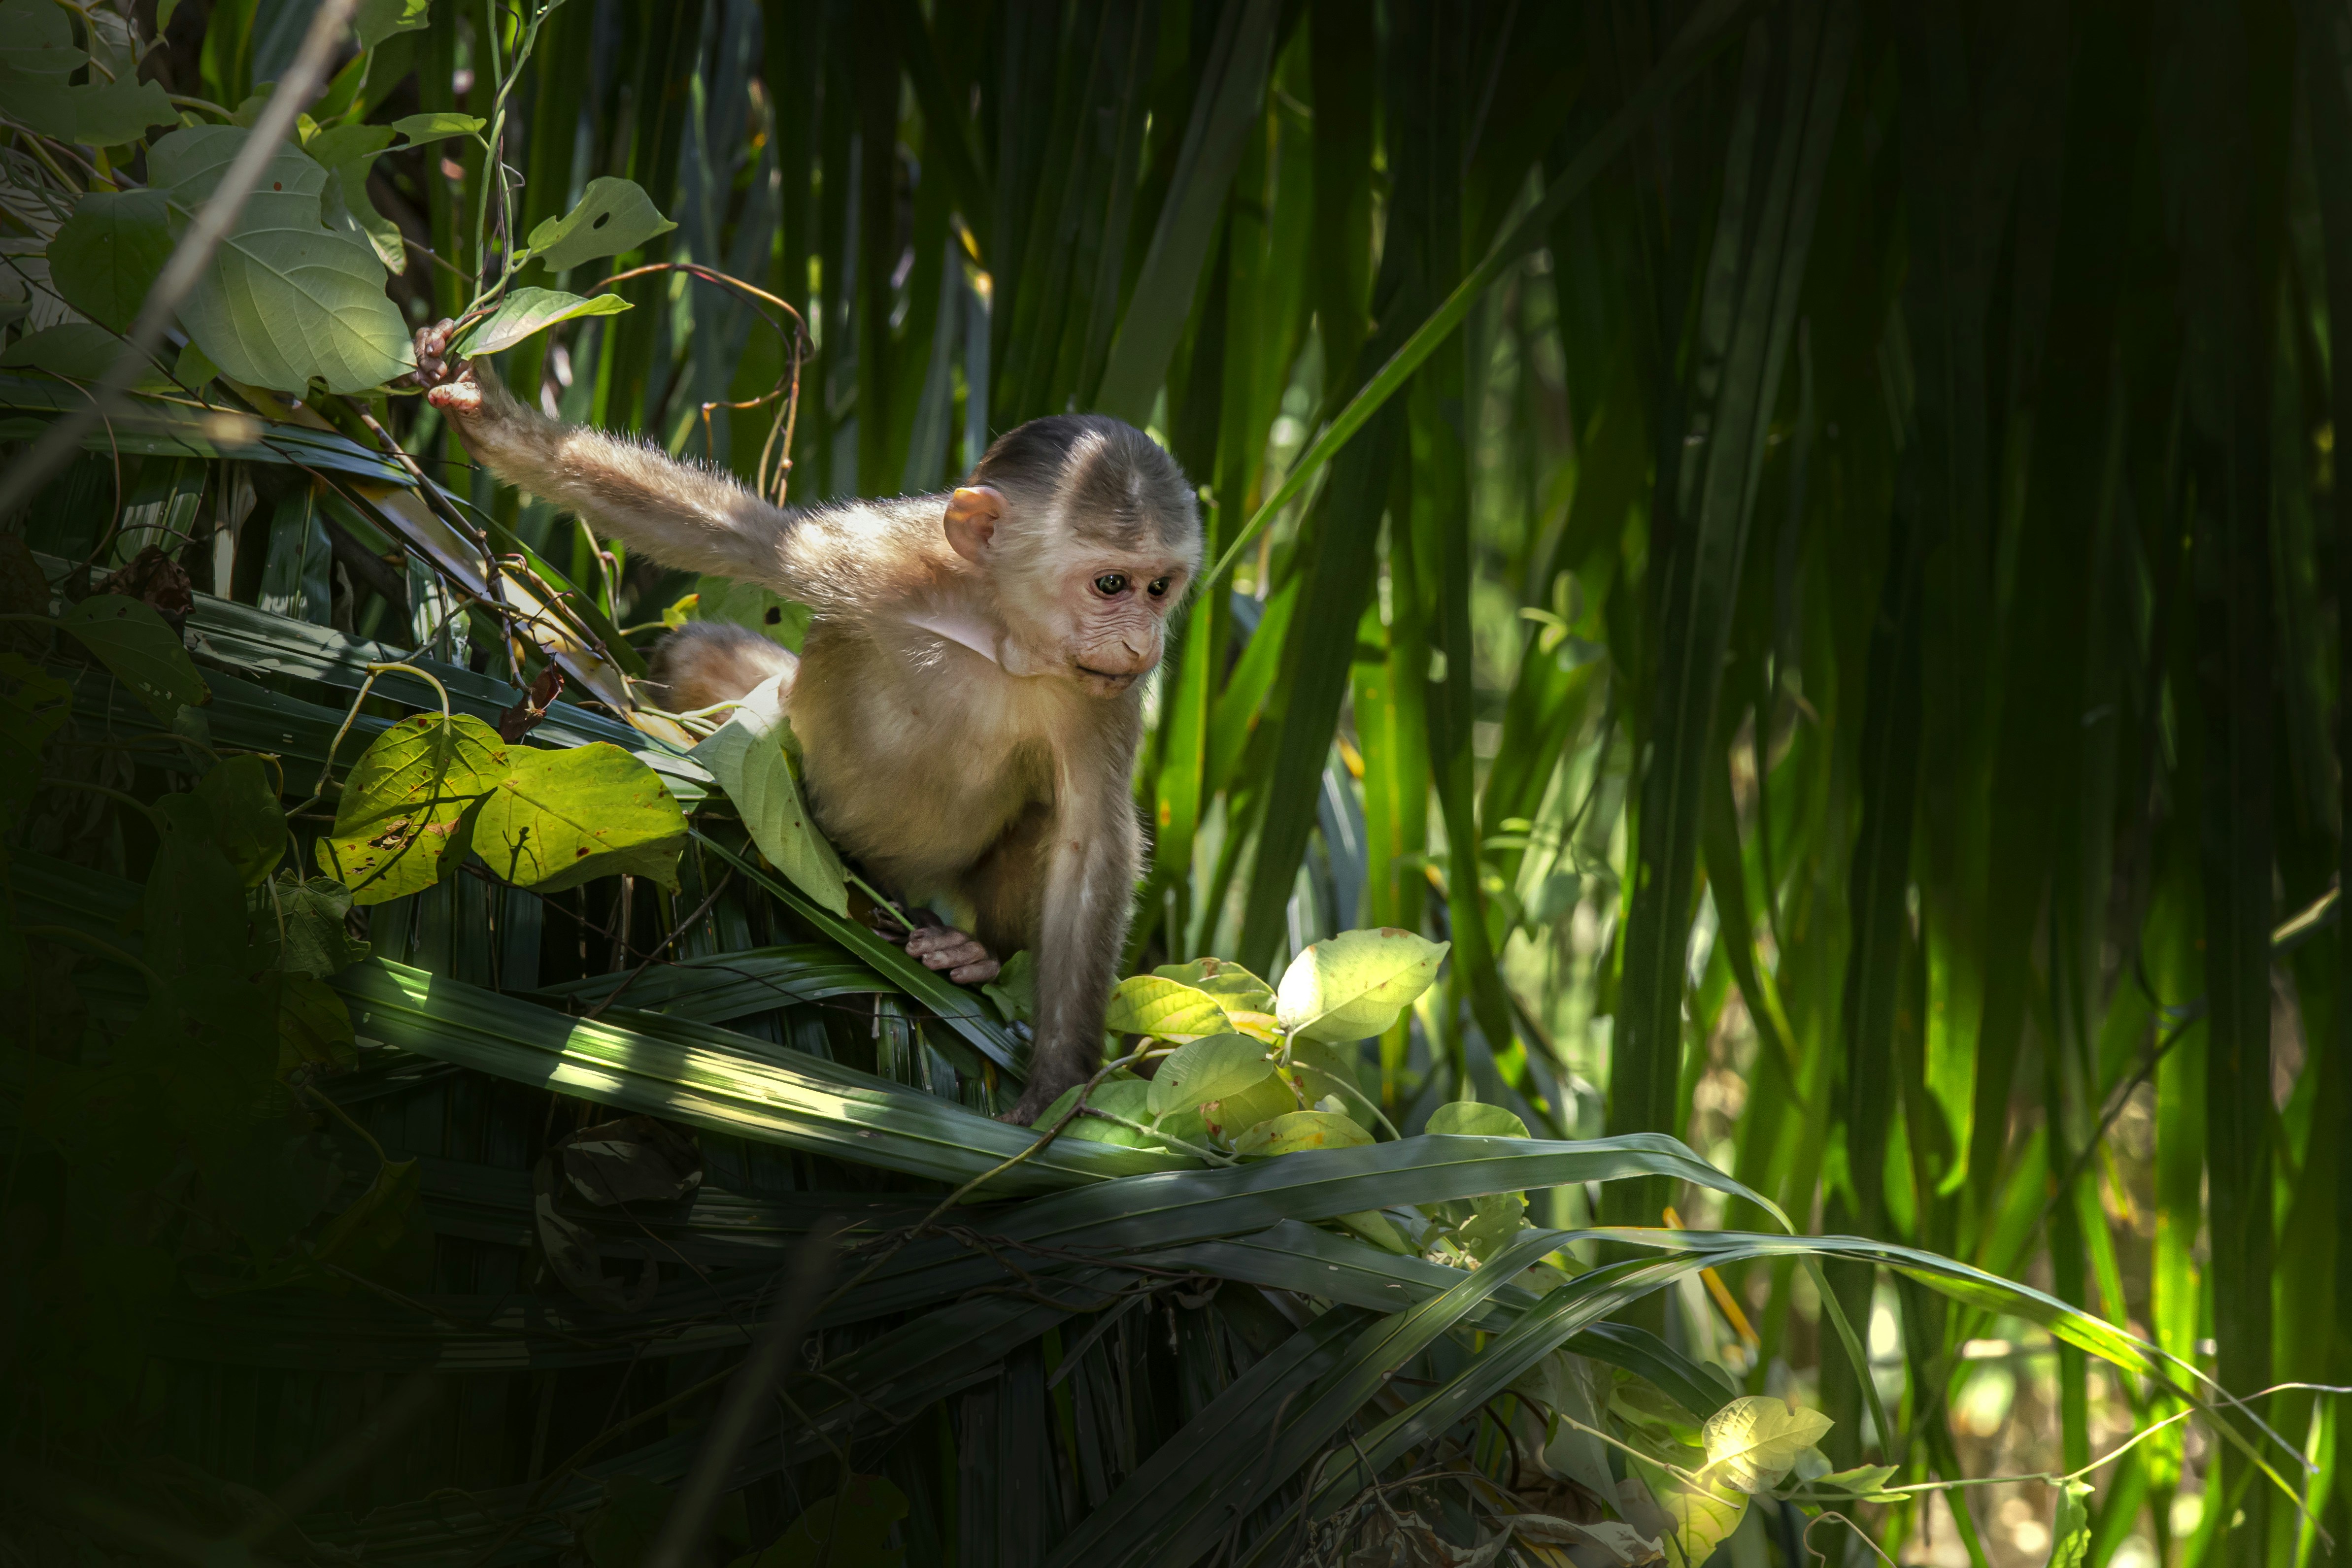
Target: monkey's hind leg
(707, 662)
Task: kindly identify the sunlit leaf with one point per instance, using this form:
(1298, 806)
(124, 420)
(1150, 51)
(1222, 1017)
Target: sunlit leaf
(1751, 1443)
(746, 756)
(1146, 1004)
(1236, 1111)
(1474, 1120)
(2070, 1531)
(1123, 1097)
(613, 215)
(1352, 986)
(129, 638)
(287, 298)
(1299, 1130)
(1234, 986)
(557, 819)
(528, 310)
(1211, 1069)
(409, 801)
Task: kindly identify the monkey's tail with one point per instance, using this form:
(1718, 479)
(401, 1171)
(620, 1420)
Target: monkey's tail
(707, 662)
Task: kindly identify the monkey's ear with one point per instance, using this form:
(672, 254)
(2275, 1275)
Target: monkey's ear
(972, 518)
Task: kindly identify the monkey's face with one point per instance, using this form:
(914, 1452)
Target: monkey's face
(1108, 611)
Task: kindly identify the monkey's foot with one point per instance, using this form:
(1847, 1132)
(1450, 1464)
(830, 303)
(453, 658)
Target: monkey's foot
(958, 953)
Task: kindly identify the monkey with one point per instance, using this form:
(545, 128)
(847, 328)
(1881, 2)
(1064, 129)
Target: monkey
(968, 696)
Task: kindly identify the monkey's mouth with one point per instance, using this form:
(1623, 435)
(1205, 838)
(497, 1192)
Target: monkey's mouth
(1112, 676)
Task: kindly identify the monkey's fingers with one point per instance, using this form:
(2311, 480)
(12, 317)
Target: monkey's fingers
(958, 953)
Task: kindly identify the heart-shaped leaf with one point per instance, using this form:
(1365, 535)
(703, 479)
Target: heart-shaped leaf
(614, 215)
(407, 802)
(528, 310)
(1300, 1130)
(104, 258)
(1147, 1004)
(1754, 1441)
(287, 299)
(128, 637)
(558, 819)
(1206, 1070)
(746, 755)
(1469, 1118)
(1352, 986)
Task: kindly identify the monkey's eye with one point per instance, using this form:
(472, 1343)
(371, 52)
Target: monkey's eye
(1158, 588)
(1111, 584)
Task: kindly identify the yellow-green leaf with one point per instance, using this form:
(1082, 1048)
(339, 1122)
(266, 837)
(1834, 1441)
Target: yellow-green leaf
(1353, 986)
(1298, 1130)
(1212, 1068)
(1234, 987)
(1468, 1118)
(1147, 1004)
(1752, 1442)
(558, 819)
(1269, 1097)
(409, 801)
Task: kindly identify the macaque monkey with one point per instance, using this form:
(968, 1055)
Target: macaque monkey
(969, 696)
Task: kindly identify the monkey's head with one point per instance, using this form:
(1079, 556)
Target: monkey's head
(1089, 535)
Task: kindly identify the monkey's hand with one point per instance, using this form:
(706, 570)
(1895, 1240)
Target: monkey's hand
(967, 963)
(449, 382)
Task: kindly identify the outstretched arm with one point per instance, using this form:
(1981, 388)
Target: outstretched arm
(677, 513)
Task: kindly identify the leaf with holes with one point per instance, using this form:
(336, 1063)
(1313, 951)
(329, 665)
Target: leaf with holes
(614, 215)
(528, 310)
(140, 646)
(410, 800)
(557, 819)
(1352, 986)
